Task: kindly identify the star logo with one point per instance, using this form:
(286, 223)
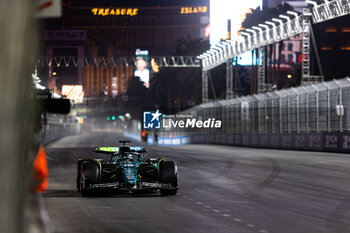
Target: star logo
(151, 120)
(156, 115)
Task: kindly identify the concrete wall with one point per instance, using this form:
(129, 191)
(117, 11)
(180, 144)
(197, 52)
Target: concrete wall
(54, 131)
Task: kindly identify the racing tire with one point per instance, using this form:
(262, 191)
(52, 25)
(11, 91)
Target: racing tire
(90, 172)
(168, 173)
(80, 161)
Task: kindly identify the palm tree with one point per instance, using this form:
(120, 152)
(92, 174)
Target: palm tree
(186, 46)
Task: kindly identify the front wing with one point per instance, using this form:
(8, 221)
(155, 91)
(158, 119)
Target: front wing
(138, 186)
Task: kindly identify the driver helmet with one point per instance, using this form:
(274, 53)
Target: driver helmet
(114, 158)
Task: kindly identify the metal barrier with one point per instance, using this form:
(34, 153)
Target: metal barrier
(314, 117)
(322, 107)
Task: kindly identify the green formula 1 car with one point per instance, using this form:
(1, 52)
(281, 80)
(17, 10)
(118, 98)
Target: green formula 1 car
(127, 169)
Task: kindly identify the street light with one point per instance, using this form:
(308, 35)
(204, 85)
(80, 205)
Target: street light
(315, 5)
(249, 41)
(312, 3)
(233, 47)
(216, 53)
(205, 54)
(254, 34)
(284, 17)
(281, 25)
(271, 23)
(207, 58)
(264, 26)
(280, 21)
(261, 38)
(223, 48)
(219, 51)
(204, 60)
(212, 56)
(266, 30)
(240, 40)
(275, 35)
(229, 49)
(289, 25)
(296, 15)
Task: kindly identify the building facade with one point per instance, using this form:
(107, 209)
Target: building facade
(117, 31)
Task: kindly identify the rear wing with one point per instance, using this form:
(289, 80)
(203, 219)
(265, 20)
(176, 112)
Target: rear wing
(111, 150)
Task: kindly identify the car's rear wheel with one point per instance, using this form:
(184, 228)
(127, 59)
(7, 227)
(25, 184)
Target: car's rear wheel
(168, 173)
(89, 175)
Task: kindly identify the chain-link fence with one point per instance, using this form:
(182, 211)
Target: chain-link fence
(322, 107)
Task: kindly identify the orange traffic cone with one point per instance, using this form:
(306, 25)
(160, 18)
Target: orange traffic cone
(40, 170)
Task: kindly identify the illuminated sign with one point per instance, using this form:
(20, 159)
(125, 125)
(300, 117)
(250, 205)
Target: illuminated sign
(62, 35)
(118, 11)
(207, 31)
(193, 10)
(114, 86)
(142, 71)
(140, 52)
(154, 66)
(73, 92)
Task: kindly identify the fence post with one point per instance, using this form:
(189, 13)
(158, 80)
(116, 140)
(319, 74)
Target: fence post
(307, 125)
(232, 119)
(204, 85)
(340, 102)
(328, 107)
(237, 118)
(297, 107)
(280, 112)
(273, 115)
(272, 111)
(259, 119)
(288, 113)
(249, 115)
(317, 108)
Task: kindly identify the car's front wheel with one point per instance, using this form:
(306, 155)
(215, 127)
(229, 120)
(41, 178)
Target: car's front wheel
(89, 176)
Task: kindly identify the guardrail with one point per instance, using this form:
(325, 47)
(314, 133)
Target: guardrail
(322, 107)
(312, 117)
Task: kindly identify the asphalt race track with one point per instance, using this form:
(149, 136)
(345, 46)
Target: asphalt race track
(222, 189)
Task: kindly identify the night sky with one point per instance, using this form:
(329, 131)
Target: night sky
(138, 3)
